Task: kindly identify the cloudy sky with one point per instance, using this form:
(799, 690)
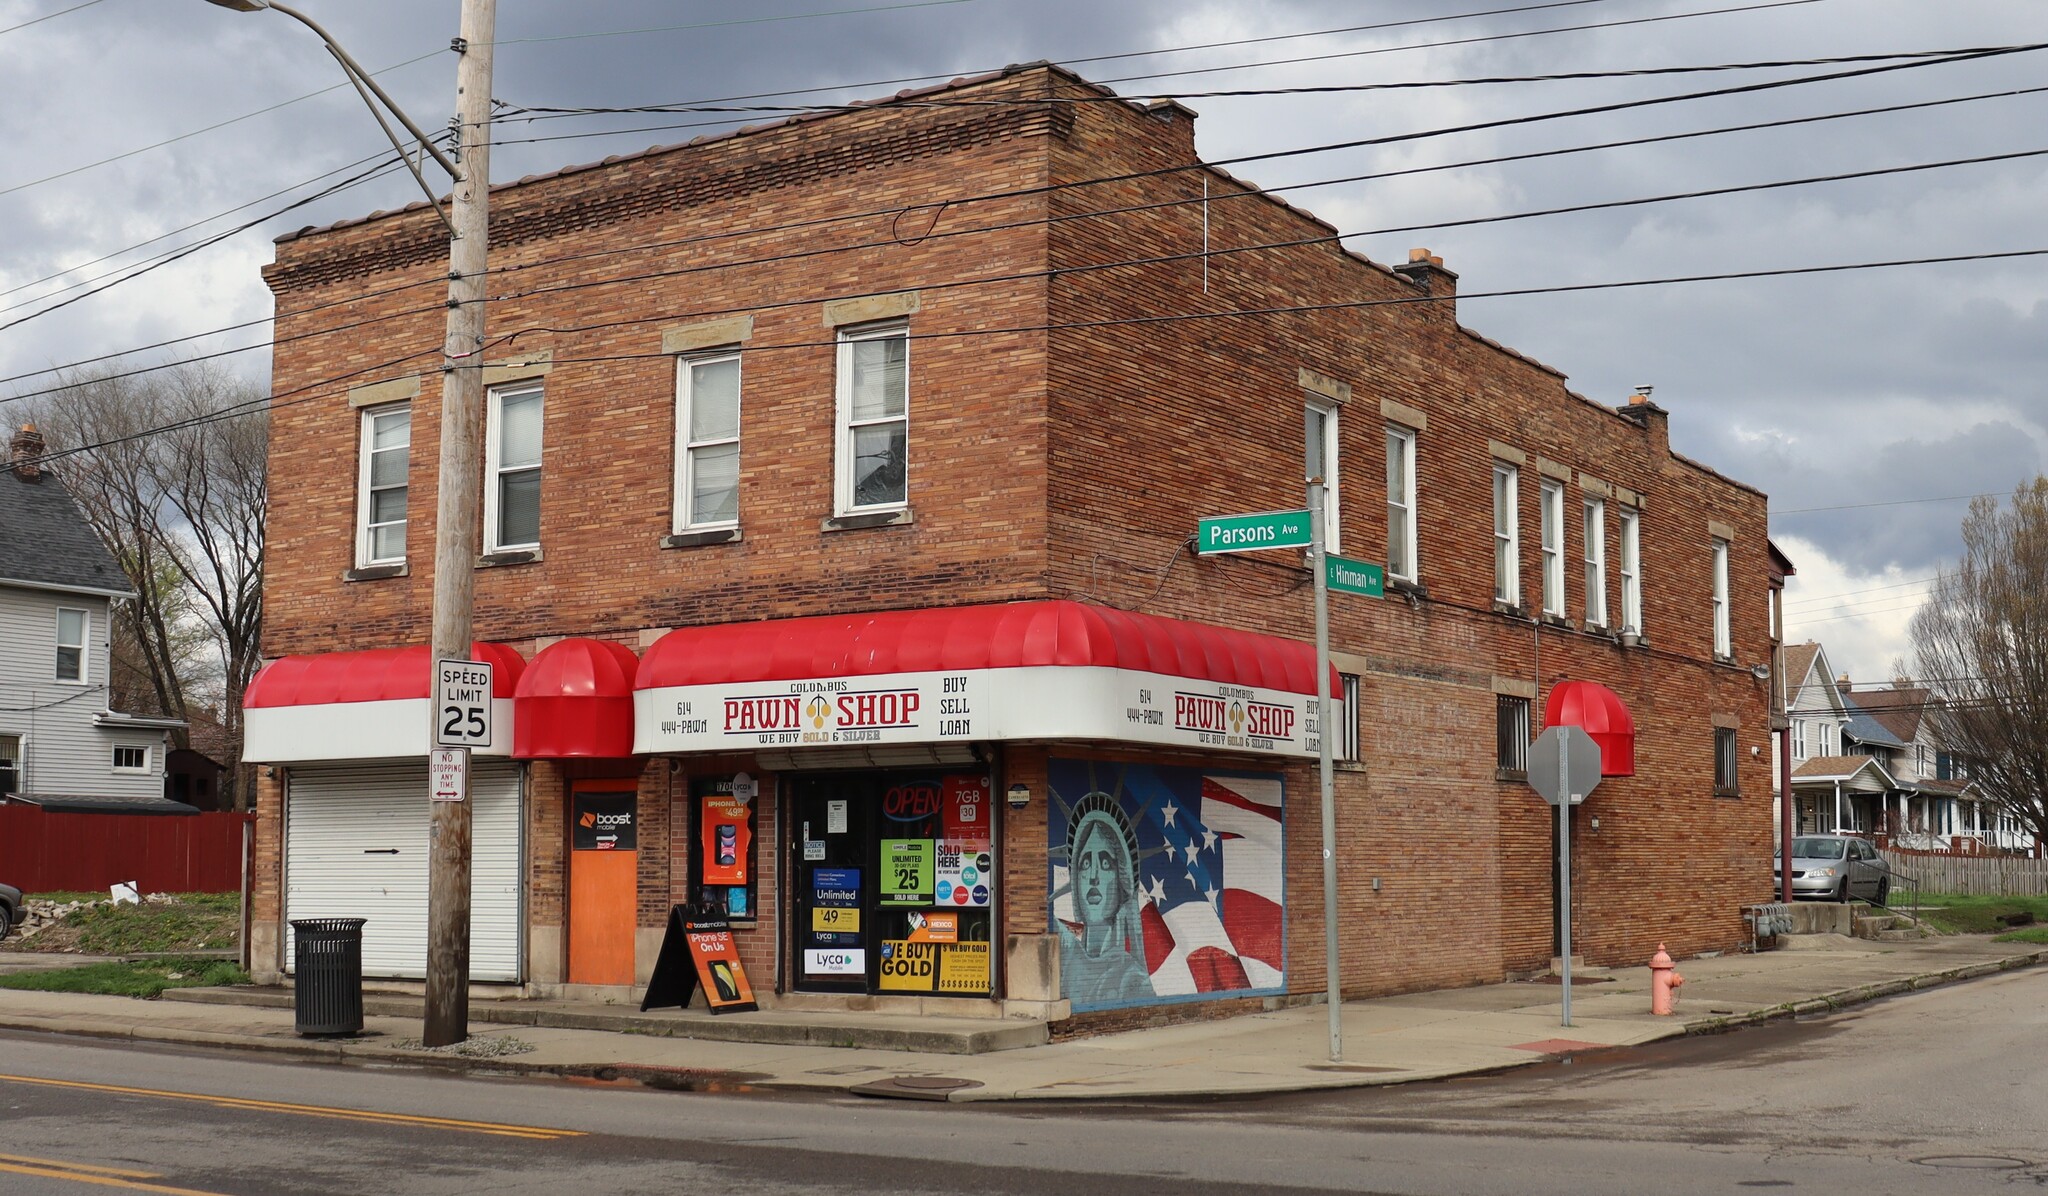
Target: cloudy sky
(139, 128)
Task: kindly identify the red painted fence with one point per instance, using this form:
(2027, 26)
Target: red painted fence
(42, 852)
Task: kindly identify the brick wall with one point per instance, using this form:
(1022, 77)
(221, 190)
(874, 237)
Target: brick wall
(1067, 461)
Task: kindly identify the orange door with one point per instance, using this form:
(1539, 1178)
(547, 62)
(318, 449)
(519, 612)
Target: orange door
(603, 841)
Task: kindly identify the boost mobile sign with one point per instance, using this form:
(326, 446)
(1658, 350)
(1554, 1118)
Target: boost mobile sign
(1036, 702)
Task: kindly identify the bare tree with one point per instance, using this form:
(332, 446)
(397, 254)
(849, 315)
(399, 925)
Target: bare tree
(170, 468)
(1981, 644)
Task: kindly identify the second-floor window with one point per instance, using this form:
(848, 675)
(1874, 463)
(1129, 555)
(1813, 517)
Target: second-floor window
(72, 626)
(1401, 503)
(1596, 562)
(1551, 513)
(1723, 644)
(1631, 571)
(131, 759)
(1507, 534)
(1321, 419)
(708, 441)
(512, 468)
(874, 418)
(380, 510)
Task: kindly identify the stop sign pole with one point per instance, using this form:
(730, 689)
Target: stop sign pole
(1564, 766)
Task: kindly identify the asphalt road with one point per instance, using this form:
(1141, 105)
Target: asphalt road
(1937, 1092)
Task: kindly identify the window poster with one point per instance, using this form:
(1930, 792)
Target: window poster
(722, 855)
(907, 871)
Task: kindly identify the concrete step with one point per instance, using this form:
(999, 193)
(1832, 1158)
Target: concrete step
(874, 1031)
(1901, 934)
(1871, 926)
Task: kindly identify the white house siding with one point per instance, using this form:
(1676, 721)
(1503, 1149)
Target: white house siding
(63, 751)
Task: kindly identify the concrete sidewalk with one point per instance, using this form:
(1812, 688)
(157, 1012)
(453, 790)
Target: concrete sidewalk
(1386, 1041)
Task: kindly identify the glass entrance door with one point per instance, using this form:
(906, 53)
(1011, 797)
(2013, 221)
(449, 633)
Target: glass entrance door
(895, 878)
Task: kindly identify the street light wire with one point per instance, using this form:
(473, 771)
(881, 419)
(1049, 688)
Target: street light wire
(274, 403)
(985, 280)
(50, 16)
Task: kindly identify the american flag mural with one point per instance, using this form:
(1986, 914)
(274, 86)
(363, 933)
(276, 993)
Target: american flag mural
(1167, 883)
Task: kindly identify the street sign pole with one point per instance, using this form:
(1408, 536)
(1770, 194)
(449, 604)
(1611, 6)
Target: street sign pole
(1564, 878)
(1564, 766)
(1325, 727)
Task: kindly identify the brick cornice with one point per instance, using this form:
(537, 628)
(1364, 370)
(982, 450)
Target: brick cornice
(687, 176)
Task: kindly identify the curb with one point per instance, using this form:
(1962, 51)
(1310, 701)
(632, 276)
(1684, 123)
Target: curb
(1830, 1002)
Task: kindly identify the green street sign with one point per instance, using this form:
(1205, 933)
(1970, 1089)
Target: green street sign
(1250, 533)
(1355, 577)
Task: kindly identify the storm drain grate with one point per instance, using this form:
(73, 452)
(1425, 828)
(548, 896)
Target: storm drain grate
(915, 1087)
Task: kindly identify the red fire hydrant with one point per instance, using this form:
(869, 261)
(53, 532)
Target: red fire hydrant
(1664, 982)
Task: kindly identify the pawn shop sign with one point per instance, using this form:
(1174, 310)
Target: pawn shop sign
(1564, 762)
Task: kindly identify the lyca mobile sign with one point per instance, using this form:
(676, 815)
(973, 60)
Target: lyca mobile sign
(1250, 533)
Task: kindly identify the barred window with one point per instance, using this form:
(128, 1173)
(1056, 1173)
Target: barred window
(1511, 735)
(1724, 761)
(1347, 746)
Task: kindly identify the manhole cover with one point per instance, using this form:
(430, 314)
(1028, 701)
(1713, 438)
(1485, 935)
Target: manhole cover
(915, 1087)
(1978, 1162)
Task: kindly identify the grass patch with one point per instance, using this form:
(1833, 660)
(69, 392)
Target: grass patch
(145, 978)
(179, 923)
(1954, 914)
(2032, 934)
(66, 896)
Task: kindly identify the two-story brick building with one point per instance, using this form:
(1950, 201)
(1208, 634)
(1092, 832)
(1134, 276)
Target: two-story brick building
(841, 476)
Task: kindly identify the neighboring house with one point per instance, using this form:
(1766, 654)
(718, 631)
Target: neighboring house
(884, 632)
(1935, 806)
(1868, 762)
(60, 745)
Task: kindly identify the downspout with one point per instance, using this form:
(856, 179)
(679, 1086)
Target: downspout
(1838, 807)
(1785, 814)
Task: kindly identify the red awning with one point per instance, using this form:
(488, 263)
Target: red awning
(1603, 715)
(575, 701)
(1011, 635)
(372, 675)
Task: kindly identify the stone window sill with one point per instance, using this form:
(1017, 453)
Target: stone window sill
(504, 557)
(377, 572)
(699, 539)
(866, 519)
(1511, 774)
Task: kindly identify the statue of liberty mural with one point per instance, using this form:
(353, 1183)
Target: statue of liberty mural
(1103, 963)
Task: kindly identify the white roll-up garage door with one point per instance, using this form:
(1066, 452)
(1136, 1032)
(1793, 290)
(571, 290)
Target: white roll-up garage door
(356, 847)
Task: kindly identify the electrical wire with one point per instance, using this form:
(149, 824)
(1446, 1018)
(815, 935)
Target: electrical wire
(50, 16)
(1312, 89)
(1331, 238)
(1130, 321)
(771, 20)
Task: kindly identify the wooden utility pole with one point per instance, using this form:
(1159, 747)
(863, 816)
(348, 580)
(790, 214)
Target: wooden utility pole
(456, 513)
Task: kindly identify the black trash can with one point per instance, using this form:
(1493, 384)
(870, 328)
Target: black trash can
(327, 981)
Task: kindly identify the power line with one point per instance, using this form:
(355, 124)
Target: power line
(1049, 188)
(1313, 89)
(196, 246)
(1896, 502)
(1127, 321)
(50, 16)
(1375, 27)
(1332, 238)
(1867, 590)
(185, 227)
(233, 120)
(798, 16)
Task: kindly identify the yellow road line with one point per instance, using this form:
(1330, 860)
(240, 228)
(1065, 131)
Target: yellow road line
(535, 1133)
(80, 1173)
(36, 1162)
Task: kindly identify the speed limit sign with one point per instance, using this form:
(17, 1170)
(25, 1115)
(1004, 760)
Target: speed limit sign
(462, 703)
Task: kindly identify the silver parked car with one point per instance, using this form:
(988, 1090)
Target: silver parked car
(1837, 868)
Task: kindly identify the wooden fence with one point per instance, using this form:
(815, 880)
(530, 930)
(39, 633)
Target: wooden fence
(41, 852)
(1974, 875)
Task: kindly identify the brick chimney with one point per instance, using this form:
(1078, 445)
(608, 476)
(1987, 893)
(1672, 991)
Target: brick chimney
(1639, 410)
(1842, 683)
(25, 454)
(1426, 271)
